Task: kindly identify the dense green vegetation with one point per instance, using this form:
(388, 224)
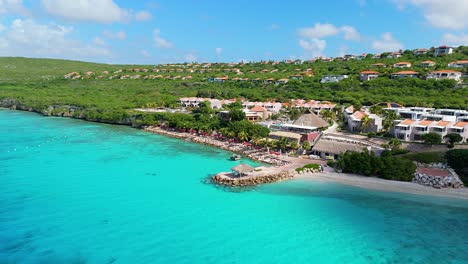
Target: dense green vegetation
(458, 160)
(40, 82)
(386, 166)
(426, 157)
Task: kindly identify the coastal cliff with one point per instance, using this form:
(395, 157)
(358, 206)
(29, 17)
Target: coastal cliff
(72, 111)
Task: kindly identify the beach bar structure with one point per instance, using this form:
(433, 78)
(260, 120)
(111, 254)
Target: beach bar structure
(242, 170)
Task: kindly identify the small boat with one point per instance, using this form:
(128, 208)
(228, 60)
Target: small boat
(235, 157)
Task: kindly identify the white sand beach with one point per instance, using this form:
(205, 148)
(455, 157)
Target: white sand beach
(385, 185)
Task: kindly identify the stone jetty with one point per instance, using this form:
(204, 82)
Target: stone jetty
(228, 180)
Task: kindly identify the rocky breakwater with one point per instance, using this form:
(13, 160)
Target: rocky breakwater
(437, 176)
(228, 180)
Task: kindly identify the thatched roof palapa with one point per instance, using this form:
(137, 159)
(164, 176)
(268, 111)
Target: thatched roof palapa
(310, 120)
(243, 169)
(334, 147)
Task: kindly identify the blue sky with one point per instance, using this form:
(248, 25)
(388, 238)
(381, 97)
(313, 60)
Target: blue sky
(162, 31)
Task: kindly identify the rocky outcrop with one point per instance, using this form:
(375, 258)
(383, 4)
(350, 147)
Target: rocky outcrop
(65, 111)
(450, 181)
(251, 181)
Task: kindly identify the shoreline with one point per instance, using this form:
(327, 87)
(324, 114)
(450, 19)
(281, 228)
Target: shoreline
(341, 178)
(373, 183)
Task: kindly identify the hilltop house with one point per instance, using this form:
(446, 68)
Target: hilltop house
(422, 51)
(427, 63)
(443, 50)
(458, 64)
(379, 65)
(403, 64)
(394, 55)
(368, 75)
(333, 78)
(404, 74)
(460, 128)
(445, 74)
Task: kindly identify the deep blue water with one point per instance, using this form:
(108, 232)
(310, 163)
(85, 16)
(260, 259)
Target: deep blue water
(78, 192)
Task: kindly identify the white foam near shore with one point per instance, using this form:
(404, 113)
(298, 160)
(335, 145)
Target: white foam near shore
(385, 185)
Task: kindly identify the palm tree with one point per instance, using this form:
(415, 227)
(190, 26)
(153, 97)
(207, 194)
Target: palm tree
(365, 123)
(328, 114)
(243, 136)
(282, 143)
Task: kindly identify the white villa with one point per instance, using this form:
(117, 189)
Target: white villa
(403, 64)
(333, 78)
(443, 50)
(445, 74)
(368, 75)
(458, 64)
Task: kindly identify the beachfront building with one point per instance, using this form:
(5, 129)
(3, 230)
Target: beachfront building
(404, 74)
(443, 50)
(193, 102)
(403, 64)
(333, 78)
(311, 105)
(368, 75)
(460, 128)
(356, 122)
(445, 75)
(273, 107)
(427, 64)
(290, 136)
(330, 149)
(458, 64)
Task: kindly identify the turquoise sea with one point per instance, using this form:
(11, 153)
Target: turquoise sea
(79, 192)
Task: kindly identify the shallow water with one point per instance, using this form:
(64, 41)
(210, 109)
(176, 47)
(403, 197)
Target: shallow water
(78, 192)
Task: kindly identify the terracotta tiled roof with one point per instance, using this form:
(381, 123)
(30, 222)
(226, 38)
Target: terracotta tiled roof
(445, 71)
(442, 123)
(461, 124)
(359, 115)
(407, 122)
(370, 72)
(405, 73)
(424, 123)
(258, 109)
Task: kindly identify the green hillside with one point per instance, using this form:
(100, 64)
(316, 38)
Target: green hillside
(39, 83)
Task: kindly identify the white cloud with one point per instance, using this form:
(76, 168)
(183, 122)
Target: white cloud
(143, 16)
(120, 35)
(30, 39)
(2, 28)
(350, 33)
(145, 53)
(218, 51)
(13, 7)
(313, 47)
(386, 43)
(190, 58)
(319, 31)
(447, 14)
(100, 11)
(312, 39)
(159, 41)
(455, 40)
(274, 26)
(99, 41)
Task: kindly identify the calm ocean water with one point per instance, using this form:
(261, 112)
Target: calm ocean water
(78, 192)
